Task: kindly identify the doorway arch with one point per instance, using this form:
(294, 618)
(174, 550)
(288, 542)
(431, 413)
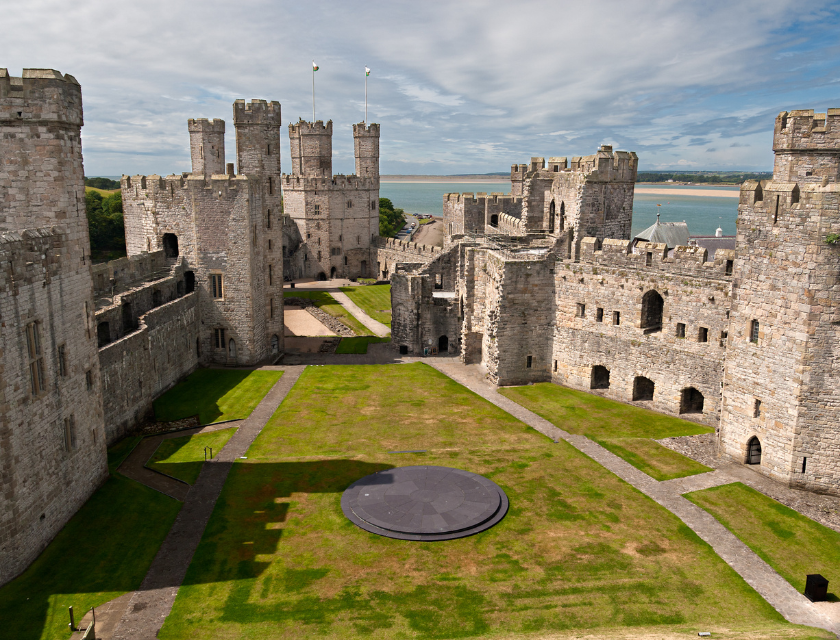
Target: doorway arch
(275, 345)
(332, 273)
(231, 349)
(363, 267)
(691, 401)
(652, 307)
(443, 344)
(600, 378)
(643, 388)
(754, 451)
(322, 276)
(170, 245)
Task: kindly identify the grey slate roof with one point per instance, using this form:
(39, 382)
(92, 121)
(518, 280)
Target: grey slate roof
(670, 233)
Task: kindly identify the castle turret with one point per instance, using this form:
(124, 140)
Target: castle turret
(258, 137)
(207, 146)
(366, 146)
(311, 146)
(806, 146)
(782, 383)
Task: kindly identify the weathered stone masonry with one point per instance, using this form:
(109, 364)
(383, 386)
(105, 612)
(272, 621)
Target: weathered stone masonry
(543, 284)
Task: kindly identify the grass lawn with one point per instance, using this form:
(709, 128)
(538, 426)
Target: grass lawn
(625, 430)
(375, 300)
(216, 395)
(786, 540)
(120, 451)
(358, 345)
(579, 548)
(103, 552)
(328, 304)
(182, 457)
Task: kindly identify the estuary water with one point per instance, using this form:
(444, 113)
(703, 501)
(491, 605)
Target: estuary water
(717, 206)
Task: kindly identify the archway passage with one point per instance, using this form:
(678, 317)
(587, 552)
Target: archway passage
(332, 273)
(600, 378)
(443, 344)
(652, 306)
(127, 318)
(643, 388)
(232, 349)
(322, 276)
(189, 281)
(170, 245)
(363, 268)
(494, 220)
(691, 401)
(403, 349)
(753, 451)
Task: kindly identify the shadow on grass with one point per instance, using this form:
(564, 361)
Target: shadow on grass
(204, 391)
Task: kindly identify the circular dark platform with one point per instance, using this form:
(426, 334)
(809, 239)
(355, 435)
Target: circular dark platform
(424, 503)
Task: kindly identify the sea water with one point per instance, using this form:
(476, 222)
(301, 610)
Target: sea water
(704, 214)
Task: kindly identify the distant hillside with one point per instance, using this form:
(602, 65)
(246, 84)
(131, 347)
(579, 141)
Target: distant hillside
(702, 177)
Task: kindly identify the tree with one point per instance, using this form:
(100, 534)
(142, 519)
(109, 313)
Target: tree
(391, 220)
(105, 222)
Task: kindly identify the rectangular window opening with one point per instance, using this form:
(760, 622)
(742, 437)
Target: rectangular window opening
(616, 318)
(703, 334)
(754, 331)
(62, 361)
(729, 264)
(37, 379)
(599, 315)
(649, 259)
(528, 363)
(804, 464)
(757, 408)
(581, 310)
(216, 285)
(89, 380)
(555, 366)
(219, 338)
(680, 330)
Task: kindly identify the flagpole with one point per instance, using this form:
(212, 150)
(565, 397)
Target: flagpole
(313, 92)
(366, 96)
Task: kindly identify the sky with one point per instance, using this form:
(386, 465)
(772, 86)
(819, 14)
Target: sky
(457, 87)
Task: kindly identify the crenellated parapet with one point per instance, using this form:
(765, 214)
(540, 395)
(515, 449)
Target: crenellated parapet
(40, 95)
(807, 146)
(258, 112)
(149, 187)
(426, 250)
(333, 183)
(655, 256)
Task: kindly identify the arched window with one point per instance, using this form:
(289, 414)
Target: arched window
(551, 215)
(600, 378)
(691, 401)
(170, 245)
(643, 388)
(652, 306)
(753, 451)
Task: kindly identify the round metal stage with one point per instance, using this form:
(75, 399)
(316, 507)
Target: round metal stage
(424, 503)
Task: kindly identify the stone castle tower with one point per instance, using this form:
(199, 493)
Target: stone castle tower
(52, 439)
(227, 227)
(782, 378)
(336, 217)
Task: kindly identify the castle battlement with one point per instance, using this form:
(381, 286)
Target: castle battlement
(605, 165)
(216, 125)
(482, 198)
(40, 95)
(408, 247)
(168, 186)
(256, 112)
(302, 127)
(654, 256)
(328, 183)
(362, 129)
(803, 130)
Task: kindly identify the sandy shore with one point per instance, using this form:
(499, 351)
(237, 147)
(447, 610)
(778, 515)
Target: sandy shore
(714, 193)
(441, 179)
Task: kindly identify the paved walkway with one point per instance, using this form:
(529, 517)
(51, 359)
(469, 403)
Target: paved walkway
(134, 466)
(149, 606)
(334, 289)
(777, 591)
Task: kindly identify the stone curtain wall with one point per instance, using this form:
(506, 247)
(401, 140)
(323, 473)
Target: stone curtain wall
(46, 280)
(140, 366)
(391, 252)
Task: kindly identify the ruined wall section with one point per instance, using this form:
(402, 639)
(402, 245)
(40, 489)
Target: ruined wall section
(390, 252)
(140, 366)
(612, 280)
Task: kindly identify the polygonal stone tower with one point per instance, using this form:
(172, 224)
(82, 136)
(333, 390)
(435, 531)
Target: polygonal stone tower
(782, 380)
(207, 146)
(311, 147)
(366, 148)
